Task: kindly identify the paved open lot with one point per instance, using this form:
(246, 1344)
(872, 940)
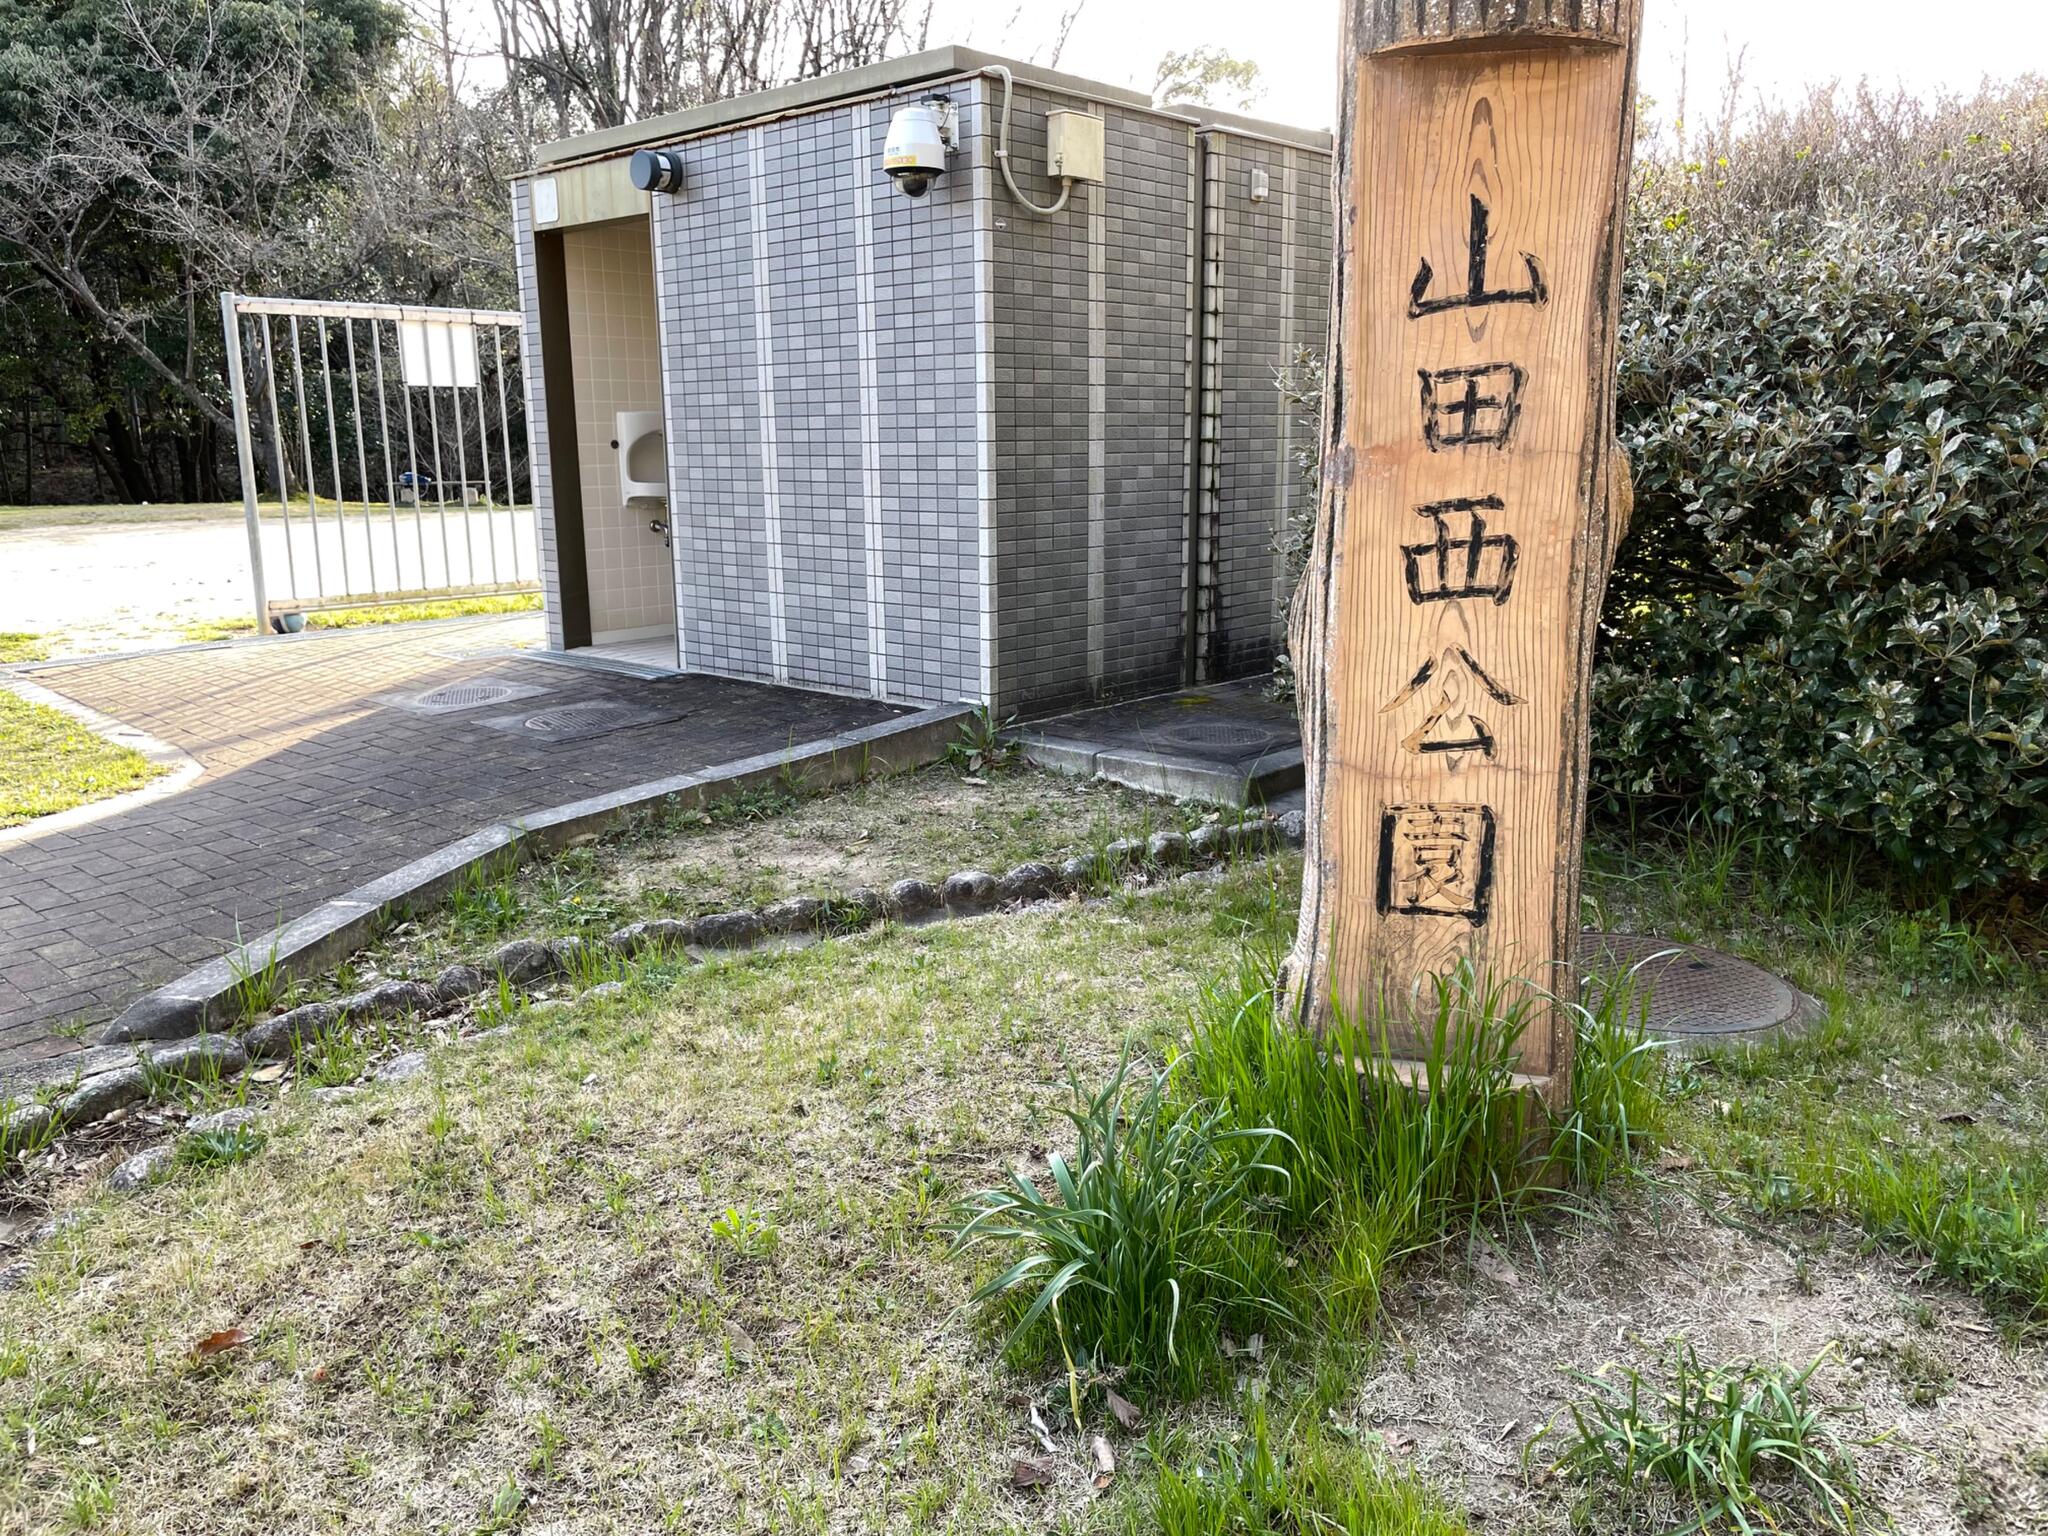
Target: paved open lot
(316, 779)
(116, 587)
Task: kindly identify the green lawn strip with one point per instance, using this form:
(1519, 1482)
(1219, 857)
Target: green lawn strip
(1918, 1109)
(16, 646)
(549, 1262)
(680, 1255)
(29, 519)
(23, 519)
(49, 762)
(388, 613)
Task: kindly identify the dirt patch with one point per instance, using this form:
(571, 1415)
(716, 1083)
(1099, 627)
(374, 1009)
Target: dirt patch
(761, 848)
(1477, 1355)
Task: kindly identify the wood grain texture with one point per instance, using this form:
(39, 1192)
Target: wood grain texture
(1473, 498)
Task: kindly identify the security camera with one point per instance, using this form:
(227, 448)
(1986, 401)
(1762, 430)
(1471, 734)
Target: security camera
(915, 151)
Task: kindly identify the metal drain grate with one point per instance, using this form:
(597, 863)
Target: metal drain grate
(1697, 994)
(580, 722)
(468, 693)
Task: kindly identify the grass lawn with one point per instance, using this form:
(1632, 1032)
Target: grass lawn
(674, 1256)
(20, 519)
(389, 613)
(49, 762)
(18, 647)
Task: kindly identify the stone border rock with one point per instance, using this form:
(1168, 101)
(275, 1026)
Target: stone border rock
(337, 928)
(181, 769)
(524, 965)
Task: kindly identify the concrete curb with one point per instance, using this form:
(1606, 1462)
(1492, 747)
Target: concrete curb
(336, 929)
(182, 768)
(1177, 776)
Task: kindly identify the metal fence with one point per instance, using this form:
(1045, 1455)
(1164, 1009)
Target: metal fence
(384, 452)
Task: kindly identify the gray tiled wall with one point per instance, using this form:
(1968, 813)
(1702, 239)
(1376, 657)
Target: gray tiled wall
(818, 330)
(1092, 347)
(1266, 295)
(941, 449)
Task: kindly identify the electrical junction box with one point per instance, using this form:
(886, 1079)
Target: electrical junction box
(1073, 145)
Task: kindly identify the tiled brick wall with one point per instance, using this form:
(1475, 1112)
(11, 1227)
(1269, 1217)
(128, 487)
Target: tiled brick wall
(939, 448)
(822, 426)
(1092, 313)
(1266, 295)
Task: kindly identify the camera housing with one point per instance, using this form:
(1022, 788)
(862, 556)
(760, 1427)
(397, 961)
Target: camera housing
(920, 135)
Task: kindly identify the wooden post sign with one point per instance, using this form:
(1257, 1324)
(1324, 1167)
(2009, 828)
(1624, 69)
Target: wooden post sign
(1472, 500)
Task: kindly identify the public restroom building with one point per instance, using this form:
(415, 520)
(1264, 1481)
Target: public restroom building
(793, 423)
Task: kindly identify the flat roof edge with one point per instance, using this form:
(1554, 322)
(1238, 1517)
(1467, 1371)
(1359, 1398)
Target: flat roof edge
(1208, 118)
(867, 80)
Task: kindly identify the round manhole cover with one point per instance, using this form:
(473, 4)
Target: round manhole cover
(1695, 994)
(1231, 735)
(576, 717)
(465, 695)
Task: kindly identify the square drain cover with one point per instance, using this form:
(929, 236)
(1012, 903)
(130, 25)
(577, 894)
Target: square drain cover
(580, 722)
(468, 693)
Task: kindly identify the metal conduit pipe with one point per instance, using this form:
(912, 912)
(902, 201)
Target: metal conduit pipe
(1003, 154)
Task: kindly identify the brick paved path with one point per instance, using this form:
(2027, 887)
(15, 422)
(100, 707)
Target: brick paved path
(312, 787)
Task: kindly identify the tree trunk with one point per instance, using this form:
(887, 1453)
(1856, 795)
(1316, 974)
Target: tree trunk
(124, 458)
(1472, 499)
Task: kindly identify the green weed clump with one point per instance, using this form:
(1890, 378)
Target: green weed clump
(1151, 1241)
(1742, 1445)
(1265, 1147)
(1313, 1487)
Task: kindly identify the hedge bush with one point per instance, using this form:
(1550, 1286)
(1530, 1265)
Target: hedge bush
(1831, 615)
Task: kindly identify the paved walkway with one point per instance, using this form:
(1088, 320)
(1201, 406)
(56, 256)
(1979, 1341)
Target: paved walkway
(314, 784)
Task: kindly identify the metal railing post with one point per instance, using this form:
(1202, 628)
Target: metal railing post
(245, 455)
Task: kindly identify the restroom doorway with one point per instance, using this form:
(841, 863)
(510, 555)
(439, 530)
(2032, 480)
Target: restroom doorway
(621, 463)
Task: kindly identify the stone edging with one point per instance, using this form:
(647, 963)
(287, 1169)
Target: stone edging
(525, 964)
(182, 767)
(335, 929)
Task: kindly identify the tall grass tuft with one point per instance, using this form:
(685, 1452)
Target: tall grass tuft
(1261, 1135)
(1148, 1242)
(1358, 1133)
(1744, 1446)
(1314, 1487)
(1618, 1104)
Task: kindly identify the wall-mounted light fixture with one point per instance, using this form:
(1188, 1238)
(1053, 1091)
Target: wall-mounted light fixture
(657, 170)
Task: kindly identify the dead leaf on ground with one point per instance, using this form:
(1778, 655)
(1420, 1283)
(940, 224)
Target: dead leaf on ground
(744, 1349)
(1105, 1463)
(220, 1343)
(1123, 1410)
(269, 1074)
(1491, 1266)
(1026, 1473)
(1673, 1162)
(1958, 1117)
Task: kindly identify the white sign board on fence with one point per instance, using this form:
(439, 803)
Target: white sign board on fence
(437, 354)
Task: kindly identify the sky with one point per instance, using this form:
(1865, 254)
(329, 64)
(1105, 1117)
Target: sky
(1788, 43)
